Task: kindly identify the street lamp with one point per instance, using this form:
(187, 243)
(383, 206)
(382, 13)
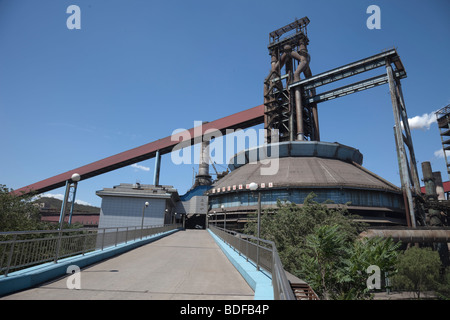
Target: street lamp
(253, 187)
(224, 216)
(208, 217)
(216, 216)
(71, 187)
(143, 212)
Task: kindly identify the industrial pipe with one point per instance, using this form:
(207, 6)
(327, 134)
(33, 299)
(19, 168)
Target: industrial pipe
(308, 74)
(303, 60)
(429, 235)
(203, 167)
(275, 67)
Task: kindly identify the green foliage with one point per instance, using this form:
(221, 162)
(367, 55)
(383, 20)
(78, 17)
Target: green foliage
(325, 248)
(17, 213)
(380, 252)
(418, 270)
(443, 288)
(321, 246)
(290, 225)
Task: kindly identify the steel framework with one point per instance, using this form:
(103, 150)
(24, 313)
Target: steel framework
(443, 120)
(289, 113)
(291, 103)
(285, 117)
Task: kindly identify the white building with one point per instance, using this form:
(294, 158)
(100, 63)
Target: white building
(124, 205)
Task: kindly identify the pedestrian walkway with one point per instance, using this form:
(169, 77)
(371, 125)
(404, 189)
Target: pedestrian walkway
(185, 265)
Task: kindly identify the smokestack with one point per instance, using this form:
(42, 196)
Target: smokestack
(203, 178)
(430, 185)
(434, 216)
(203, 168)
(439, 185)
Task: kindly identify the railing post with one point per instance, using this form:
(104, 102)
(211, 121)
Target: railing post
(84, 244)
(240, 242)
(58, 245)
(117, 234)
(257, 255)
(11, 251)
(246, 253)
(103, 239)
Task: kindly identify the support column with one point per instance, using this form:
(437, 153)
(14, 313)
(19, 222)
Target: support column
(157, 168)
(401, 153)
(71, 186)
(63, 205)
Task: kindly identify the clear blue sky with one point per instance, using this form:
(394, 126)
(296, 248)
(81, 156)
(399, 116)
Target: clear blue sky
(137, 70)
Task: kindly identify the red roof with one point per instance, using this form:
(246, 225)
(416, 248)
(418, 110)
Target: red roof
(446, 185)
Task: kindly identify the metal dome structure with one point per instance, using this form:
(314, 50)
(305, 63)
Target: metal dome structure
(333, 171)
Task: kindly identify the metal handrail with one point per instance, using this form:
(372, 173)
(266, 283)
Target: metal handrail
(257, 250)
(20, 249)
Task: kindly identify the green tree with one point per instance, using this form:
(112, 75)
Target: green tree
(443, 289)
(321, 245)
(418, 270)
(289, 225)
(17, 213)
(322, 258)
(380, 252)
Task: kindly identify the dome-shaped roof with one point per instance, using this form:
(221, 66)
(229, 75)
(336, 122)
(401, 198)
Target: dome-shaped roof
(303, 165)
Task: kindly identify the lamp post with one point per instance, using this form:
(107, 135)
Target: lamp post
(216, 216)
(71, 184)
(208, 216)
(75, 178)
(142, 222)
(224, 216)
(253, 187)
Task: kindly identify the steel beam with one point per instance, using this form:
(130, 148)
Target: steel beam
(239, 120)
(401, 152)
(352, 88)
(351, 69)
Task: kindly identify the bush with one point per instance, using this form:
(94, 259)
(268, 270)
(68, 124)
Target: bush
(321, 246)
(418, 271)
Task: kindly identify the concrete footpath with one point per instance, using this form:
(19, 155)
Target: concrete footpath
(185, 265)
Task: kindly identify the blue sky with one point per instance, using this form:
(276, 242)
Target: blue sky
(137, 70)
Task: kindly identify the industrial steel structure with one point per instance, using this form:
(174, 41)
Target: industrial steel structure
(289, 114)
(332, 171)
(443, 120)
(286, 118)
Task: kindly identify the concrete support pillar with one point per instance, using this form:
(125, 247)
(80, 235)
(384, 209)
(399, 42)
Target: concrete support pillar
(157, 168)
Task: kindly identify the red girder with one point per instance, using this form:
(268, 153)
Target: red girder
(240, 120)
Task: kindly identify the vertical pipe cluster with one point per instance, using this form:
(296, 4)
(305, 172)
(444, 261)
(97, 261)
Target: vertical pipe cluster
(303, 59)
(285, 109)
